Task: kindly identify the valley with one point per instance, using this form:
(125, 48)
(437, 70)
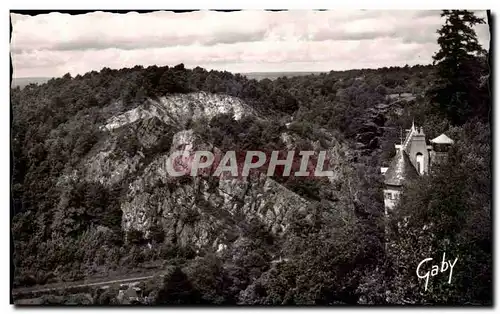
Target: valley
(94, 205)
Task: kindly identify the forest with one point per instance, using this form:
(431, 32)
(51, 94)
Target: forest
(334, 255)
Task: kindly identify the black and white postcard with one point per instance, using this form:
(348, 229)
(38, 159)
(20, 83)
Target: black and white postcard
(251, 157)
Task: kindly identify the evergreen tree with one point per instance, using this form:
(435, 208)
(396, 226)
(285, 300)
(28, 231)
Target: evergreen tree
(461, 65)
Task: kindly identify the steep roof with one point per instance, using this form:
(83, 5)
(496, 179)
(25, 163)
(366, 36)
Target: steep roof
(442, 139)
(400, 169)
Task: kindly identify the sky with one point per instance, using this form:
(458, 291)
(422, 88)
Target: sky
(51, 45)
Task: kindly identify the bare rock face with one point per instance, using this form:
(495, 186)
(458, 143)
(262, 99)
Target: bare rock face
(180, 109)
(204, 211)
(105, 169)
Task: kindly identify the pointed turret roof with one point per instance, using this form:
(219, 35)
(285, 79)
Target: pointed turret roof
(400, 169)
(442, 139)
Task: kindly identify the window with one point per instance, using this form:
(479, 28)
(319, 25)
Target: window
(420, 163)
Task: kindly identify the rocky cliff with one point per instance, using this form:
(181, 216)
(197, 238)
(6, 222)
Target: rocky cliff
(197, 211)
(179, 109)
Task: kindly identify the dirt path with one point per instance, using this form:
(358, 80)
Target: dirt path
(81, 284)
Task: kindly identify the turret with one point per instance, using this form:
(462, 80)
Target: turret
(440, 147)
(395, 176)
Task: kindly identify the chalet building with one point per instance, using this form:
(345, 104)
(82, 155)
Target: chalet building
(413, 157)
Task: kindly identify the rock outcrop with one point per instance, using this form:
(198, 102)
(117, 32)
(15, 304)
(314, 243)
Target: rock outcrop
(197, 211)
(179, 109)
(204, 211)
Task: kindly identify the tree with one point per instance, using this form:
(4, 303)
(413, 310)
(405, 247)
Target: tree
(206, 276)
(458, 41)
(177, 289)
(460, 65)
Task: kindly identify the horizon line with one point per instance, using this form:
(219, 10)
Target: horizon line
(220, 70)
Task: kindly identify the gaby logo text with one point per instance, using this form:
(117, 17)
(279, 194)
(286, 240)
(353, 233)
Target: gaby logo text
(445, 265)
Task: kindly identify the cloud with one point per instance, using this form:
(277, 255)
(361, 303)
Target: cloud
(129, 31)
(54, 44)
